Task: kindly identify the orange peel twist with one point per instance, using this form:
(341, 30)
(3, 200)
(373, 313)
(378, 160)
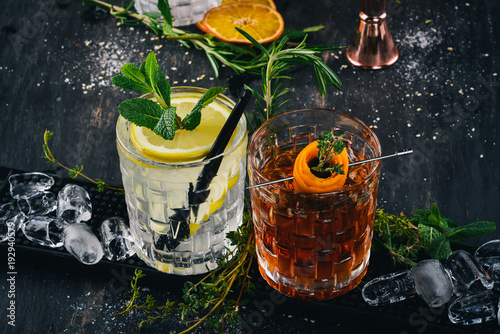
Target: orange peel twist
(305, 181)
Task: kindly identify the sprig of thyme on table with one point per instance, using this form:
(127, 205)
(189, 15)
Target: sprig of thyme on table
(72, 172)
(210, 298)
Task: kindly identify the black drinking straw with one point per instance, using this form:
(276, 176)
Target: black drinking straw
(199, 193)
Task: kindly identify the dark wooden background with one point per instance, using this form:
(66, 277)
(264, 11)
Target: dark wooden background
(441, 98)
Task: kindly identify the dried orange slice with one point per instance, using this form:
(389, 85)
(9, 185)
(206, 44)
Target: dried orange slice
(269, 3)
(262, 22)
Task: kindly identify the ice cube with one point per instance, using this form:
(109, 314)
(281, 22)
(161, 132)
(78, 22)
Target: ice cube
(466, 273)
(488, 254)
(28, 184)
(473, 309)
(116, 239)
(45, 231)
(38, 205)
(389, 288)
(10, 221)
(494, 273)
(432, 282)
(81, 242)
(73, 204)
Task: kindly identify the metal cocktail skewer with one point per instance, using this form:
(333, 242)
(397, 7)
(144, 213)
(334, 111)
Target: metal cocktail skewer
(351, 164)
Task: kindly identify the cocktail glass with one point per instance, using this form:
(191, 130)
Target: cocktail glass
(172, 231)
(312, 246)
(184, 12)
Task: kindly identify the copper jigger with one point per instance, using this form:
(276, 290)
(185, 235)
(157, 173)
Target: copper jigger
(372, 47)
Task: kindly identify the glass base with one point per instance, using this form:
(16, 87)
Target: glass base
(290, 289)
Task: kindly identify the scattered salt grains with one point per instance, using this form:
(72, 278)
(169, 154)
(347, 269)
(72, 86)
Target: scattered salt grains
(481, 156)
(409, 125)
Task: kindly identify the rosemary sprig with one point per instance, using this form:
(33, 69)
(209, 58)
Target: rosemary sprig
(72, 172)
(241, 59)
(210, 297)
(280, 59)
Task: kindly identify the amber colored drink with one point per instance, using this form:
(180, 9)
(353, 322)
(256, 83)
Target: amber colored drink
(313, 246)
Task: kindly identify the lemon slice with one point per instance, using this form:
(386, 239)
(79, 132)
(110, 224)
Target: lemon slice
(187, 146)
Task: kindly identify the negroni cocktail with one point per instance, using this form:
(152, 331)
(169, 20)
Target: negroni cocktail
(312, 245)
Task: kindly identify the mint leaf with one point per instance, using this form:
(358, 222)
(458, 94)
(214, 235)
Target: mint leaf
(150, 68)
(192, 120)
(428, 234)
(142, 112)
(162, 88)
(133, 73)
(440, 248)
(473, 230)
(166, 125)
(143, 71)
(164, 9)
(122, 81)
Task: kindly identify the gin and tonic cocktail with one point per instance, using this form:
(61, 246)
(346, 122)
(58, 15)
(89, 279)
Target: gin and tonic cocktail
(173, 230)
(312, 245)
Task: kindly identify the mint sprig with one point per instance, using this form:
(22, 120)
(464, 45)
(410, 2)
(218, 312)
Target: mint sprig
(158, 116)
(427, 230)
(439, 232)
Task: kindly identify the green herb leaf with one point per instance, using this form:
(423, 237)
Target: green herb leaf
(165, 11)
(473, 230)
(192, 120)
(122, 81)
(166, 125)
(133, 73)
(142, 112)
(253, 40)
(162, 88)
(427, 234)
(440, 248)
(151, 68)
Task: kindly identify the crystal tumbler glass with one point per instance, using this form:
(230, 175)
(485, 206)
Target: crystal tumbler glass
(312, 246)
(170, 234)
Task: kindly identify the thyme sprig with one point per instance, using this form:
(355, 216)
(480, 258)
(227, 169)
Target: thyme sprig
(329, 146)
(72, 172)
(210, 299)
